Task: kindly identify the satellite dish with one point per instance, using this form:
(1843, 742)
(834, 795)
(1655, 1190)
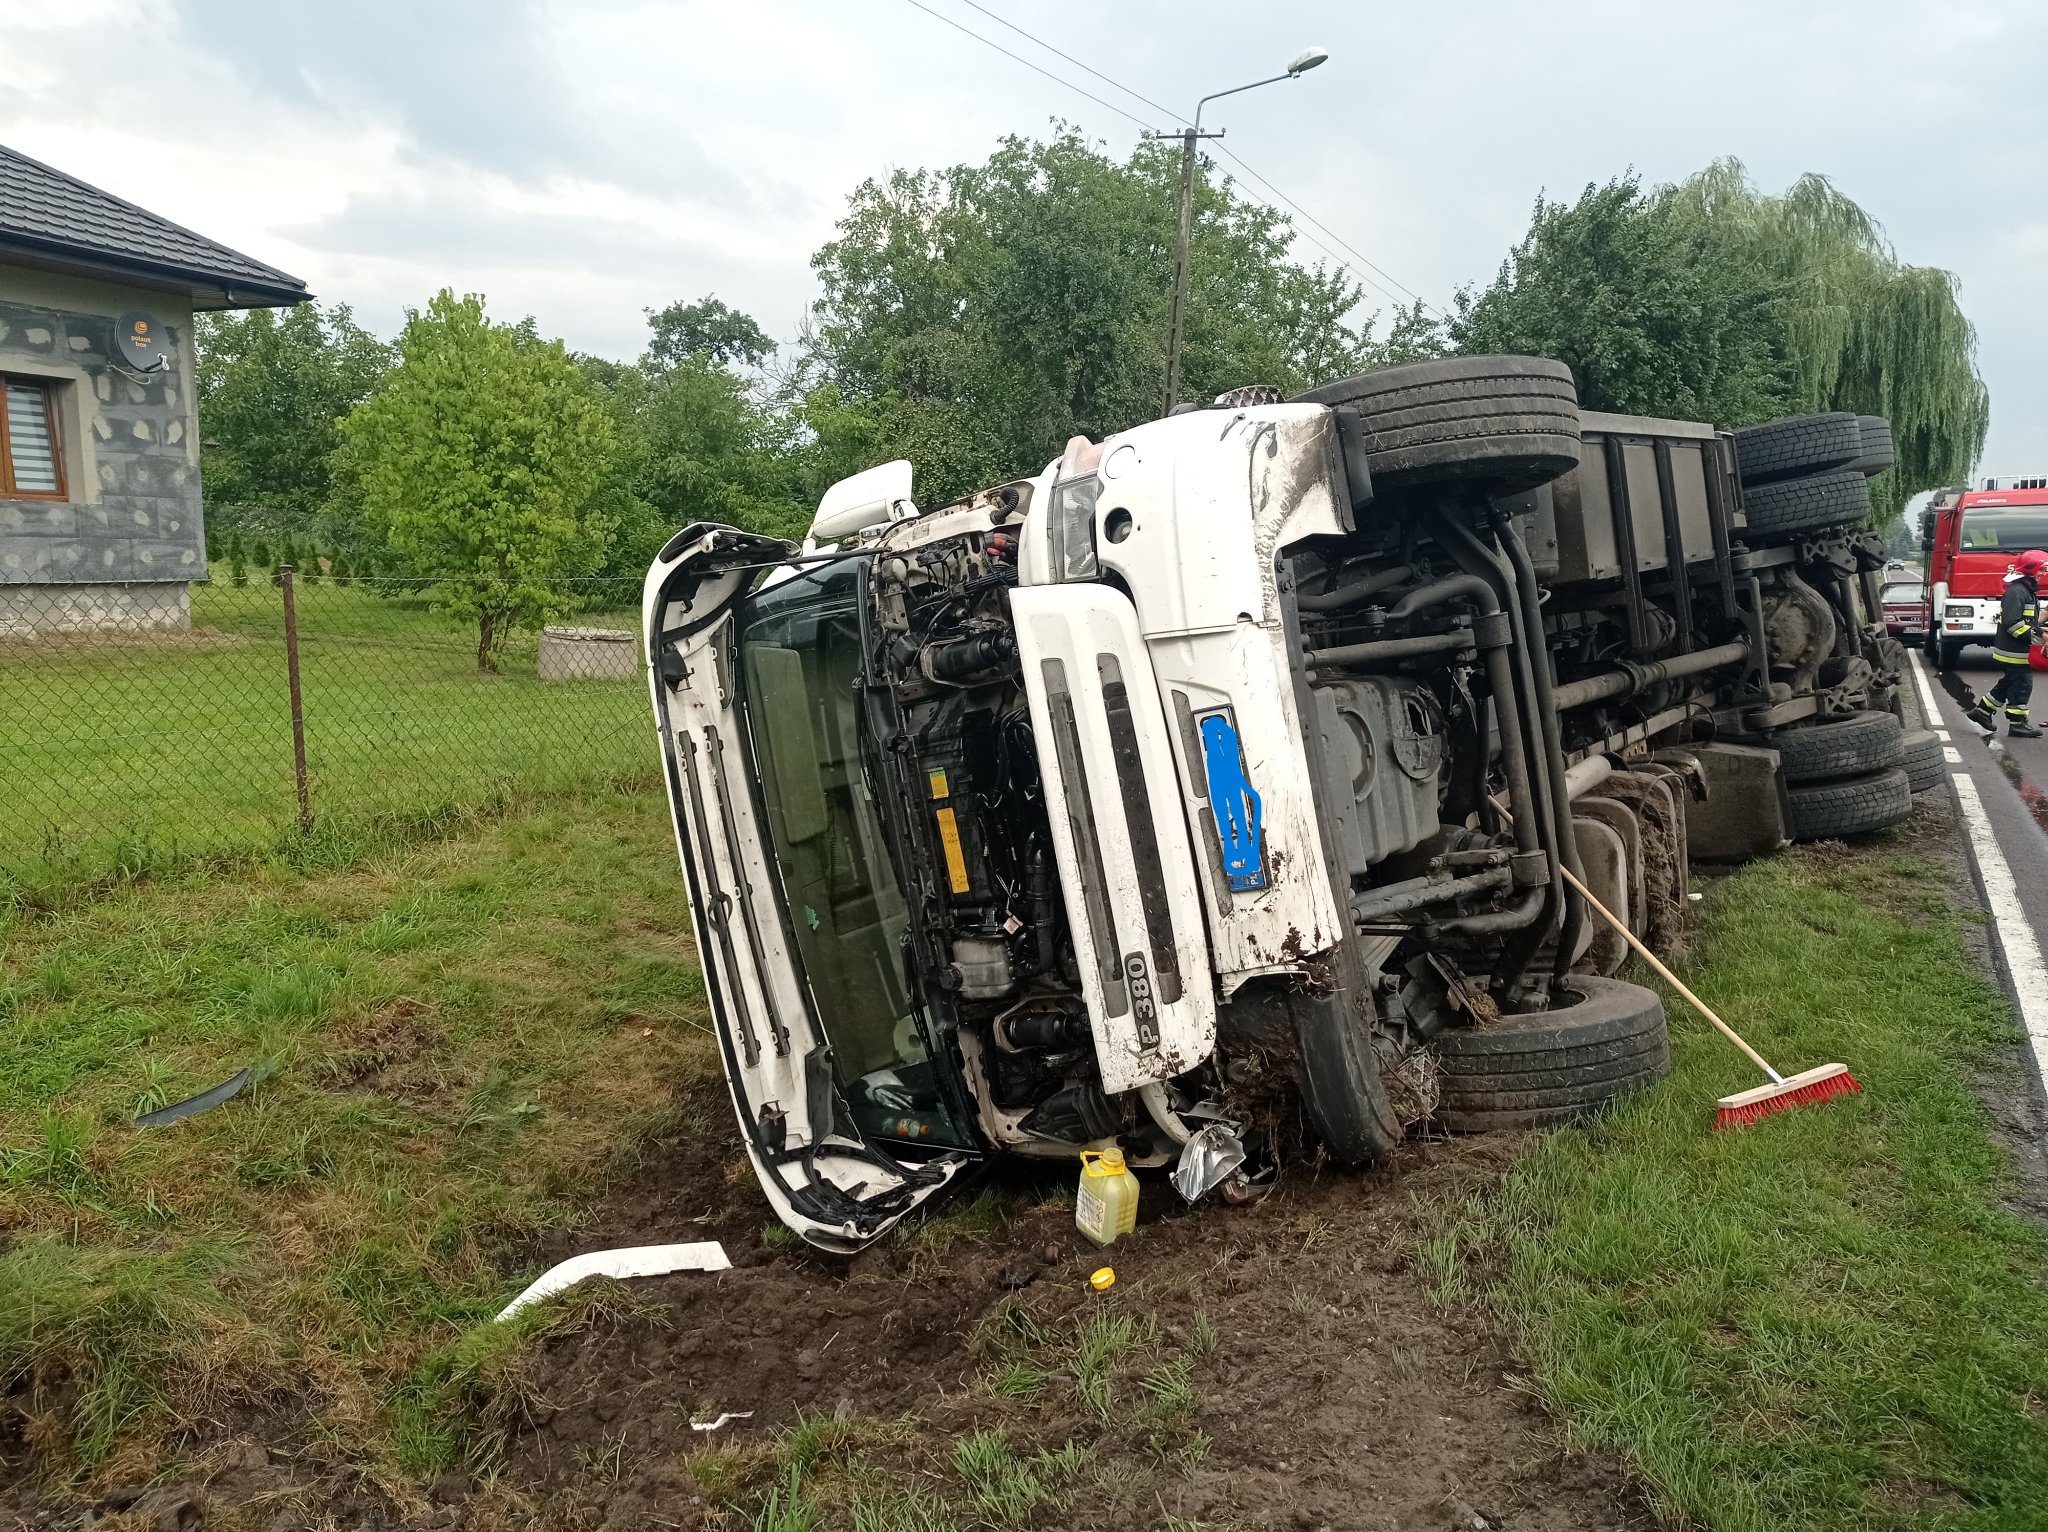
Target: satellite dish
(141, 343)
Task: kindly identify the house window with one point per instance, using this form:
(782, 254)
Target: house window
(31, 461)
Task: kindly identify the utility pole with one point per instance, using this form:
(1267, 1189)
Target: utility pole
(1187, 137)
(1302, 62)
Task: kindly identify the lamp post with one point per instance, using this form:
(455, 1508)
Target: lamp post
(1298, 66)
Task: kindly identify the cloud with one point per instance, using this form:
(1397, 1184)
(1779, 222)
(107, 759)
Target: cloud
(584, 161)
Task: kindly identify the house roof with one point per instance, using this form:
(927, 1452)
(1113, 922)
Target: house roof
(58, 222)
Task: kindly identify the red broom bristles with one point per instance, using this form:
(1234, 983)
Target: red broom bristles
(1807, 1089)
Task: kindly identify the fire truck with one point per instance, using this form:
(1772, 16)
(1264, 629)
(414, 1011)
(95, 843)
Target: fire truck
(1970, 537)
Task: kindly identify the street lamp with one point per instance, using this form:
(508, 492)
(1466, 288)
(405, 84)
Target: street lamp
(1297, 66)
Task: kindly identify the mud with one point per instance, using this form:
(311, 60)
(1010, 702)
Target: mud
(1338, 1393)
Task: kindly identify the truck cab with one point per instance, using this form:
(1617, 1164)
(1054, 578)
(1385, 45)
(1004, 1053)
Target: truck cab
(1971, 537)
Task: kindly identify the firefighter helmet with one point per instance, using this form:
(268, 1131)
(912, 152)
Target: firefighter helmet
(2032, 563)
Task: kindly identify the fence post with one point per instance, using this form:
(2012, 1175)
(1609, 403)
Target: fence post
(291, 663)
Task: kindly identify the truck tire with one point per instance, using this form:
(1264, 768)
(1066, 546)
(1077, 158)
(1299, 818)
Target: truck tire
(1509, 422)
(1789, 508)
(1852, 806)
(1339, 1076)
(1878, 453)
(1853, 745)
(1922, 761)
(1797, 447)
(1531, 1070)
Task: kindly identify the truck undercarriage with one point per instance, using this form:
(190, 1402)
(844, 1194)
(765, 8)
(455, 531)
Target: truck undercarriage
(1217, 786)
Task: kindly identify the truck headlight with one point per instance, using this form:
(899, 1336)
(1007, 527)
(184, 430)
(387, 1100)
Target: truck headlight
(1958, 609)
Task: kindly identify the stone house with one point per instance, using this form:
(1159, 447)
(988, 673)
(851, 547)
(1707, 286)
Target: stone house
(100, 521)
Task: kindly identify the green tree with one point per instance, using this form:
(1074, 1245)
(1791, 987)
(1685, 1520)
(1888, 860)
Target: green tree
(1861, 330)
(1713, 300)
(1640, 305)
(975, 318)
(482, 459)
(707, 331)
(272, 390)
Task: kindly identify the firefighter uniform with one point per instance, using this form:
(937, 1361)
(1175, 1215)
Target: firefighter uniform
(2018, 628)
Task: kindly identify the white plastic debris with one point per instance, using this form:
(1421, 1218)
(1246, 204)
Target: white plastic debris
(713, 1425)
(637, 1261)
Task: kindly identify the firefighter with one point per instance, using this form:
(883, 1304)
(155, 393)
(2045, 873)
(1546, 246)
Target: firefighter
(2018, 623)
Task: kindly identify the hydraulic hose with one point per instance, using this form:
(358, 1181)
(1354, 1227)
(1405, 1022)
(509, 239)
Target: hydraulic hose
(1553, 733)
(1518, 916)
(1485, 568)
(1380, 650)
(1514, 761)
(1353, 591)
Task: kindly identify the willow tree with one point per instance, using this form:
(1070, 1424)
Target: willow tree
(1713, 300)
(1859, 329)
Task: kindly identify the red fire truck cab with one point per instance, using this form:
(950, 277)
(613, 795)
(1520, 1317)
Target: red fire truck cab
(1971, 537)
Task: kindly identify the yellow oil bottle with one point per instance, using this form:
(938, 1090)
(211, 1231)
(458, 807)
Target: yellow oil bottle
(1107, 1203)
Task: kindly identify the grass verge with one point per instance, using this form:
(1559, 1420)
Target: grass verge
(138, 752)
(452, 1040)
(1827, 1321)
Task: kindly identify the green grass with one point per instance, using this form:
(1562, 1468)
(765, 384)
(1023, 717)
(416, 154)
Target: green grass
(128, 753)
(1827, 1321)
(454, 1041)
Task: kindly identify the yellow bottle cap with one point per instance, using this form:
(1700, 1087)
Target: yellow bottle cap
(1102, 1279)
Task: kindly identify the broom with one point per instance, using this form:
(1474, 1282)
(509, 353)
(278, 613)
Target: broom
(1807, 1088)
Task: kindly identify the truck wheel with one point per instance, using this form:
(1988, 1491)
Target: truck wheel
(1852, 806)
(1797, 447)
(1853, 745)
(1784, 510)
(1509, 422)
(1878, 453)
(1949, 653)
(1922, 760)
(1530, 1070)
(1340, 1080)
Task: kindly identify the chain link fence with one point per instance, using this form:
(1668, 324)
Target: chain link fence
(139, 723)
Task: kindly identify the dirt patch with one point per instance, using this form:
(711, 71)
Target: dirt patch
(1332, 1390)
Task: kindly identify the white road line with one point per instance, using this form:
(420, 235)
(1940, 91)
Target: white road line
(1952, 755)
(1942, 735)
(1927, 702)
(2016, 941)
(2015, 936)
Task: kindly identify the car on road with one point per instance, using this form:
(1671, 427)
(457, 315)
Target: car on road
(1907, 608)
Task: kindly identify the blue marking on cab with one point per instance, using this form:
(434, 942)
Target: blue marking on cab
(1239, 823)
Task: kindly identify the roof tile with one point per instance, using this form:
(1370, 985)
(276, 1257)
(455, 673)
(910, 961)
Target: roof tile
(64, 214)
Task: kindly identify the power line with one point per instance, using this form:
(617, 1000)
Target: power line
(1006, 53)
(1049, 48)
(1298, 210)
(1307, 218)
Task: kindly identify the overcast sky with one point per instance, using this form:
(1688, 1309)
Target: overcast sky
(583, 162)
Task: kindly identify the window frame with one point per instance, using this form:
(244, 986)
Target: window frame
(48, 388)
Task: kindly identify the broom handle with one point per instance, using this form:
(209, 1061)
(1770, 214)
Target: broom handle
(1664, 973)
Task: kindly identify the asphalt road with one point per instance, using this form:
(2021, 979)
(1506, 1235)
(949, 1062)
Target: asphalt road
(2001, 789)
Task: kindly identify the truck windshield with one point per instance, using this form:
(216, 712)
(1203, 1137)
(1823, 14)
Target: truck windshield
(1989, 529)
(800, 668)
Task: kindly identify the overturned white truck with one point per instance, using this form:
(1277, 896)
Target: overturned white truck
(1215, 785)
